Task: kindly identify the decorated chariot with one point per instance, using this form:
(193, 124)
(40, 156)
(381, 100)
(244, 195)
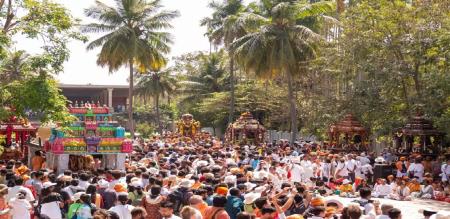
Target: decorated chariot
(14, 135)
(246, 130)
(93, 135)
(187, 126)
(418, 136)
(348, 135)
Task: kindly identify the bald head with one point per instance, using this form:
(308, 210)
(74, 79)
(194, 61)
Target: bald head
(195, 200)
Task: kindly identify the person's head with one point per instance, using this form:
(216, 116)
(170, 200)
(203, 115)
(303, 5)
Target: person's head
(365, 193)
(318, 211)
(390, 178)
(138, 213)
(18, 181)
(187, 212)
(235, 192)
(155, 191)
(67, 173)
(122, 197)
(166, 209)
(354, 211)
(18, 164)
(385, 208)
(195, 200)
(91, 189)
(268, 213)
(100, 214)
(84, 177)
(395, 213)
(74, 182)
(116, 174)
(113, 215)
(245, 215)
(260, 203)
(219, 201)
(85, 198)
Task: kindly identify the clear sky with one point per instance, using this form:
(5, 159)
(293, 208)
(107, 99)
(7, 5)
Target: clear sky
(81, 68)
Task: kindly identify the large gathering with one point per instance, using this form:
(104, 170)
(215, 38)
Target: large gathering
(224, 109)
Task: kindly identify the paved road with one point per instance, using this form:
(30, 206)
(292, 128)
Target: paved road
(410, 209)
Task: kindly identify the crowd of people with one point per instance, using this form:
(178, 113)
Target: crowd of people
(173, 177)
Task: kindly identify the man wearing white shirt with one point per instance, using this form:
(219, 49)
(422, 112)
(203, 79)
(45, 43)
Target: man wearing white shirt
(84, 181)
(445, 169)
(341, 169)
(20, 207)
(122, 208)
(296, 171)
(19, 187)
(351, 167)
(307, 166)
(325, 171)
(363, 159)
(166, 211)
(367, 171)
(417, 169)
(382, 190)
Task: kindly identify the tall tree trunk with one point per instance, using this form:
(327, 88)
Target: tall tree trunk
(158, 117)
(340, 6)
(417, 84)
(130, 99)
(210, 46)
(292, 108)
(405, 96)
(231, 113)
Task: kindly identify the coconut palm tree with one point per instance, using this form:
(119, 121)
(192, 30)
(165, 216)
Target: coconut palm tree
(16, 66)
(211, 78)
(133, 37)
(280, 46)
(223, 28)
(157, 85)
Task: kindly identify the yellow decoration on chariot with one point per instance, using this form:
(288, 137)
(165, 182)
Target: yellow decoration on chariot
(187, 126)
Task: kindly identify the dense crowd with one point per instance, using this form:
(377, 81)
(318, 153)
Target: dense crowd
(172, 178)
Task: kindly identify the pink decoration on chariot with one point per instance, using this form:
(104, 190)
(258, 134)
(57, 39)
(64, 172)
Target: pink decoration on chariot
(57, 146)
(78, 110)
(127, 147)
(100, 110)
(91, 125)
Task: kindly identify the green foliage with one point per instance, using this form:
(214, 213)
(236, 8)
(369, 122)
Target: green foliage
(25, 81)
(209, 77)
(40, 20)
(265, 101)
(41, 95)
(157, 85)
(390, 60)
(145, 129)
(133, 32)
(134, 36)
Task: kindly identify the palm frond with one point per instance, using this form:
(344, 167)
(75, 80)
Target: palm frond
(315, 9)
(104, 13)
(97, 28)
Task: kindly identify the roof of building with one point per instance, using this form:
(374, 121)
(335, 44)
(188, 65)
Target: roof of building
(93, 86)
